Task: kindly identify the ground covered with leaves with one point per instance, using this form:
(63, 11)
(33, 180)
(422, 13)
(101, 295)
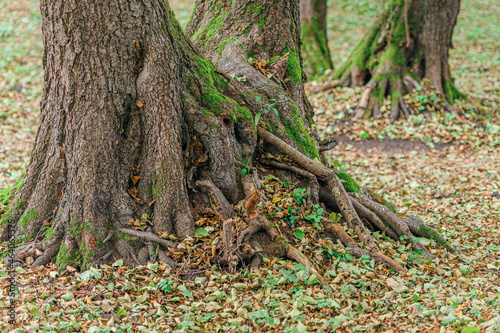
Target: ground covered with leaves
(443, 169)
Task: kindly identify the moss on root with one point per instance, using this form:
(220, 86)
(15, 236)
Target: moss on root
(293, 68)
(378, 198)
(349, 183)
(451, 92)
(28, 217)
(66, 257)
(211, 29)
(430, 233)
(213, 98)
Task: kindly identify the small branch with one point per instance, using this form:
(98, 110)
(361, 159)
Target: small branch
(364, 100)
(107, 255)
(297, 170)
(313, 181)
(148, 236)
(328, 144)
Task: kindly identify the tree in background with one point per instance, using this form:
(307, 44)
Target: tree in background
(138, 124)
(409, 41)
(315, 49)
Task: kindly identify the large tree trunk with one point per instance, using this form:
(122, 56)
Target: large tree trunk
(121, 117)
(409, 42)
(136, 124)
(315, 49)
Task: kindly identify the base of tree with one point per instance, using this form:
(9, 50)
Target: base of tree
(247, 236)
(409, 42)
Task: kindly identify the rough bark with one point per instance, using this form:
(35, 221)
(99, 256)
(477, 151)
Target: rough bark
(126, 121)
(409, 42)
(263, 34)
(315, 49)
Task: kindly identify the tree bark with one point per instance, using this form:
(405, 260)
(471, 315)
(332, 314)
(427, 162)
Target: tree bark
(409, 42)
(127, 117)
(315, 49)
(263, 34)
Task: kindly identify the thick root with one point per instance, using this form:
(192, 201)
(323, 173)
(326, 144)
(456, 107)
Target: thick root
(419, 228)
(337, 232)
(392, 220)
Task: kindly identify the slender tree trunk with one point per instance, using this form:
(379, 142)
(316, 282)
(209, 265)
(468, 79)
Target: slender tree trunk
(315, 49)
(409, 42)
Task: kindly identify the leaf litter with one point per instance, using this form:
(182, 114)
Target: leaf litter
(455, 189)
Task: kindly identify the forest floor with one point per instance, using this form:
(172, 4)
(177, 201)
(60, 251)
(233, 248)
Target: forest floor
(445, 170)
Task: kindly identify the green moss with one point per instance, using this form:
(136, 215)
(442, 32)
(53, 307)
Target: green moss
(211, 28)
(49, 233)
(213, 100)
(28, 217)
(314, 48)
(273, 60)
(298, 133)
(433, 234)
(65, 257)
(20, 205)
(451, 92)
(6, 217)
(7, 194)
(349, 183)
(256, 9)
(223, 44)
(261, 23)
(293, 67)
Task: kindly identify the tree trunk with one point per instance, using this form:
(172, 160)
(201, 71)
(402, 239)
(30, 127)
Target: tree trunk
(263, 34)
(315, 49)
(127, 102)
(138, 132)
(409, 42)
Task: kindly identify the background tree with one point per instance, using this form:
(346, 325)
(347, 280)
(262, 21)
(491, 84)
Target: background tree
(409, 41)
(314, 37)
(137, 124)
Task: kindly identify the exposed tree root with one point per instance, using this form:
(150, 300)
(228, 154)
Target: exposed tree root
(338, 232)
(374, 219)
(148, 236)
(333, 183)
(419, 228)
(357, 205)
(392, 220)
(298, 256)
(49, 253)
